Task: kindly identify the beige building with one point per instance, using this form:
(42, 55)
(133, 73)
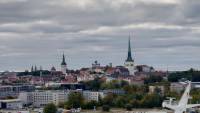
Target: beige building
(157, 89)
(177, 87)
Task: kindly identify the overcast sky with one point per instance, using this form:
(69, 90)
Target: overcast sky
(164, 33)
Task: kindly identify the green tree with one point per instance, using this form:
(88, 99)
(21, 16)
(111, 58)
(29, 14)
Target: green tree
(191, 74)
(90, 104)
(114, 84)
(109, 99)
(130, 89)
(61, 105)
(195, 93)
(120, 101)
(93, 84)
(153, 79)
(50, 108)
(135, 103)
(75, 100)
(151, 100)
(172, 94)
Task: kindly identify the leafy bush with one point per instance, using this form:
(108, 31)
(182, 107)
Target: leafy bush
(50, 108)
(128, 107)
(106, 108)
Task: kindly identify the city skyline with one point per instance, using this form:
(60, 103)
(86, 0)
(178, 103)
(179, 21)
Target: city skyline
(164, 34)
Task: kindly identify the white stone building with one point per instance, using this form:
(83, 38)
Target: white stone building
(92, 95)
(42, 98)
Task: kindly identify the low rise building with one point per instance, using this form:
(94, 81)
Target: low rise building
(113, 91)
(26, 98)
(42, 98)
(11, 104)
(145, 68)
(14, 91)
(177, 87)
(92, 95)
(136, 80)
(85, 78)
(157, 89)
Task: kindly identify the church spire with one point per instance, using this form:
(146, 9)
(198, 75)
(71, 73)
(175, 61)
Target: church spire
(129, 58)
(63, 60)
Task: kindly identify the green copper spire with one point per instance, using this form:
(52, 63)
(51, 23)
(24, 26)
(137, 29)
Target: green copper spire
(63, 60)
(129, 58)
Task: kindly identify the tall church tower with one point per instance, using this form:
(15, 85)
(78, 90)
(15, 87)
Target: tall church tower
(129, 63)
(63, 65)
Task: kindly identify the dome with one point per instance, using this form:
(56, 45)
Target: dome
(53, 69)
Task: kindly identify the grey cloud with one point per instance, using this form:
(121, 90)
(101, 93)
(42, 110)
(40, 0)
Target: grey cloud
(164, 33)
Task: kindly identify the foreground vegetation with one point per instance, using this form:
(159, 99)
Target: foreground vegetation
(135, 96)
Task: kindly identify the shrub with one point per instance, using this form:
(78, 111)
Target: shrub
(106, 108)
(50, 108)
(128, 107)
